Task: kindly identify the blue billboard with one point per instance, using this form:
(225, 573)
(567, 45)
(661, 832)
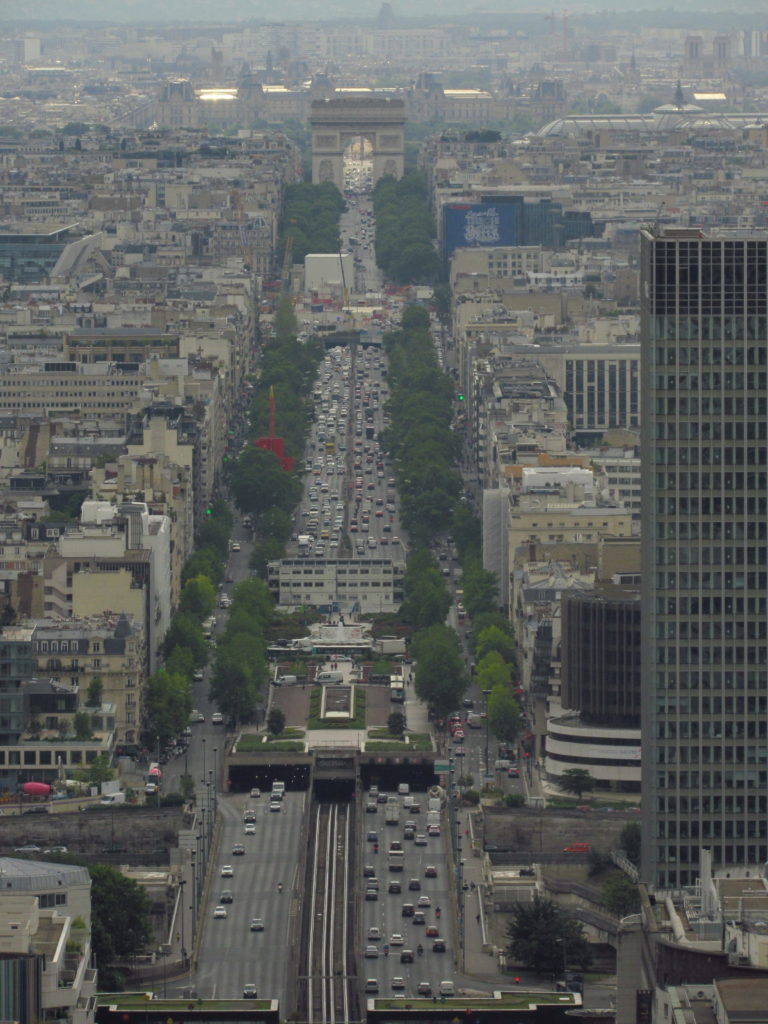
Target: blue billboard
(481, 224)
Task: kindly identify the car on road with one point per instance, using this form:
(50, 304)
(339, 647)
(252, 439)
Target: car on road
(398, 983)
(28, 848)
(219, 911)
(432, 931)
(226, 896)
(420, 839)
(275, 805)
(374, 933)
(256, 792)
(408, 910)
(418, 917)
(424, 988)
(371, 807)
(372, 986)
(424, 901)
(414, 885)
(249, 829)
(250, 992)
(369, 871)
(371, 952)
(238, 850)
(438, 946)
(430, 871)
(433, 830)
(396, 939)
(406, 956)
(227, 871)
(217, 718)
(372, 836)
(235, 546)
(394, 887)
(257, 924)
(371, 895)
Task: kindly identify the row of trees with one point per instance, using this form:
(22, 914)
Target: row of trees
(423, 447)
(311, 216)
(168, 700)
(240, 669)
(405, 229)
(258, 483)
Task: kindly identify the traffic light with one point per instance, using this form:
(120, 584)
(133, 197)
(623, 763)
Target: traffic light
(461, 397)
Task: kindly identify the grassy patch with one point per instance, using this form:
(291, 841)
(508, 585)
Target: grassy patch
(282, 745)
(419, 741)
(137, 1001)
(416, 740)
(314, 721)
(250, 742)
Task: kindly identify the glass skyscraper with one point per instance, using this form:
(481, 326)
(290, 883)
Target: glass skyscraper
(704, 423)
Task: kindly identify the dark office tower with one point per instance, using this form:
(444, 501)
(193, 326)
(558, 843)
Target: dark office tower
(705, 553)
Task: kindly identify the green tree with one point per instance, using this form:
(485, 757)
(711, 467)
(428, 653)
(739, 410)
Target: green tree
(276, 721)
(492, 639)
(440, 677)
(576, 781)
(185, 631)
(543, 939)
(95, 692)
(492, 671)
(481, 588)
(442, 300)
(258, 483)
(167, 703)
(427, 599)
(198, 598)
(98, 771)
(181, 663)
(82, 725)
(238, 674)
(120, 916)
(187, 785)
(503, 714)
(621, 895)
(285, 323)
(629, 841)
(396, 723)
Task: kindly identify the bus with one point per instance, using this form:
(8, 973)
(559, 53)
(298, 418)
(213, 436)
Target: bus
(396, 689)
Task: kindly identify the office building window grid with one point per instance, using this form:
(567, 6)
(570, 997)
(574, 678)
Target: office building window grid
(705, 568)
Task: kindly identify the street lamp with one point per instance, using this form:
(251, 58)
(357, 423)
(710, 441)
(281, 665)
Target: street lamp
(182, 883)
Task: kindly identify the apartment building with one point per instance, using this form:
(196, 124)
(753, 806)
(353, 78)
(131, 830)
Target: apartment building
(45, 943)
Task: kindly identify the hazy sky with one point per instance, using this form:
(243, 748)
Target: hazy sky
(237, 10)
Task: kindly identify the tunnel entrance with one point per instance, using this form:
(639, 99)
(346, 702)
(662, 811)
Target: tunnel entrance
(243, 778)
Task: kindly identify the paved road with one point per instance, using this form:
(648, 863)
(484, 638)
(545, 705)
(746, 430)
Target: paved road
(230, 954)
(386, 912)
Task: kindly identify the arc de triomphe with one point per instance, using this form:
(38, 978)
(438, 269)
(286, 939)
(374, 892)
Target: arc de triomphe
(335, 121)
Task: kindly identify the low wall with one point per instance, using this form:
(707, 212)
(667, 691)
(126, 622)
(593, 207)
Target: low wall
(124, 835)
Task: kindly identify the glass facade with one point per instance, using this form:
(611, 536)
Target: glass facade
(705, 552)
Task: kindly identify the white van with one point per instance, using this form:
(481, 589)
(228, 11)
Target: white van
(330, 677)
(403, 789)
(286, 680)
(446, 988)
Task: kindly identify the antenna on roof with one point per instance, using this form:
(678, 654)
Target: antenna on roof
(658, 217)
